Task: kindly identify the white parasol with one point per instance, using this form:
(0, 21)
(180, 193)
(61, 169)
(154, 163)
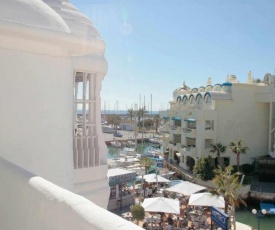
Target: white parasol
(151, 178)
(206, 199)
(186, 188)
(161, 204)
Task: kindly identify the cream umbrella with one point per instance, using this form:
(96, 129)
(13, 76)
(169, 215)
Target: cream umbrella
(206, 199)
(186, 188)
(161, 204)
(152, 178)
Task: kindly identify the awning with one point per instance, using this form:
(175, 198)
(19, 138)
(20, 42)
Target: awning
(176, 118)
(120, 176)
(166, 118)
(190, 119)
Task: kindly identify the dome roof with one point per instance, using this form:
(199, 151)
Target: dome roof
(77, 22)
(33, 13)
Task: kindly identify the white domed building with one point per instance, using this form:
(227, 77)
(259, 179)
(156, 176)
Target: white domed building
(52, 66)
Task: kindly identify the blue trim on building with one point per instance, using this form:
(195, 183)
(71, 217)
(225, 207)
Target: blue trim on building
(176, 118)
(190, 119)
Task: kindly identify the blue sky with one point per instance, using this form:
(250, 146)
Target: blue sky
(152, 46)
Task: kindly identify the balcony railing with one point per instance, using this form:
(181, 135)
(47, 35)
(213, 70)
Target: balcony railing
(185, 148)
(186, 130)
(191, 149)
(172, 143)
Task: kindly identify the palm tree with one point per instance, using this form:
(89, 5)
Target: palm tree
(157, 120)
(219, 148)
(227, 185)
(146, 162)
(238, 149)
(131, 113)
(141, 114)
(113, 119)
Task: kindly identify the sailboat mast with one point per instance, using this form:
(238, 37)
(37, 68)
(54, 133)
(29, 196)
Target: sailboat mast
(136, 127)
(151, 107)
(143, 113)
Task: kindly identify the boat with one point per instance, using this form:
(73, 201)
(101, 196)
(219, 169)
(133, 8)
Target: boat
(155, 152)
(128, 152)
(130, 144)
(269, 207)
(150, 155)
(116, 144)
(154, 140)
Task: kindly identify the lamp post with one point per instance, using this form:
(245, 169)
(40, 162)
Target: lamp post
(259, 214)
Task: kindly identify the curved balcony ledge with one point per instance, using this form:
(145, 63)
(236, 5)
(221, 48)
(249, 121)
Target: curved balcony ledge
(36, 203)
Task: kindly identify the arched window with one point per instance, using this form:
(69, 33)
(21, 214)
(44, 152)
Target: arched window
(208, 88)
(179, 100)
(207, 98)
(217, 87)
(199, 99)
(192, 99)
(184, 100)
(194, 90)
(202, 89)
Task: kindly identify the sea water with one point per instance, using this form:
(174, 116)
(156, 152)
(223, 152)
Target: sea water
(113, 152)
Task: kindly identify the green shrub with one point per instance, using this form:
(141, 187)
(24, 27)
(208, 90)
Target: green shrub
(138, 212)
(203, 169)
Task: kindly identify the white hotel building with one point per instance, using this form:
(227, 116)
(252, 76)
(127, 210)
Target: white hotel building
(223, 113)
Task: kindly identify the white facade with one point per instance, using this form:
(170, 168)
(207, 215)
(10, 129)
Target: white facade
(52, 65)
(223, 113)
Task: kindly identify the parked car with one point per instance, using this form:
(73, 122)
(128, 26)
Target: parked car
(118, 134)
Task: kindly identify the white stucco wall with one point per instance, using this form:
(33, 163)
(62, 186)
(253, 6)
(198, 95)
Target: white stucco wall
(38, 55)
(93, 184)
(34, 203)
(243, 118)
(36, 114)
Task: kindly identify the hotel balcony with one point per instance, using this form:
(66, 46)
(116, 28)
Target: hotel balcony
(175, 129)
(164, 129)
(40, 204)
(210, 134)
(172, 143)
(175, 145)
(191, 150)
(190, 133)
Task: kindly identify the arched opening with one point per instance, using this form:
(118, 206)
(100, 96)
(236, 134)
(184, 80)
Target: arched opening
(207, 98)
(201, 89)
(192, 99)
(194, 90)
(217, 87)
(199, 99)
(179, 100)
(208, 88)
(190, 162)
(184, 100)
(176, 157)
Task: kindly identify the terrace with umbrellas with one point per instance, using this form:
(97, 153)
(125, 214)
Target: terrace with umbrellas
(182, 206)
